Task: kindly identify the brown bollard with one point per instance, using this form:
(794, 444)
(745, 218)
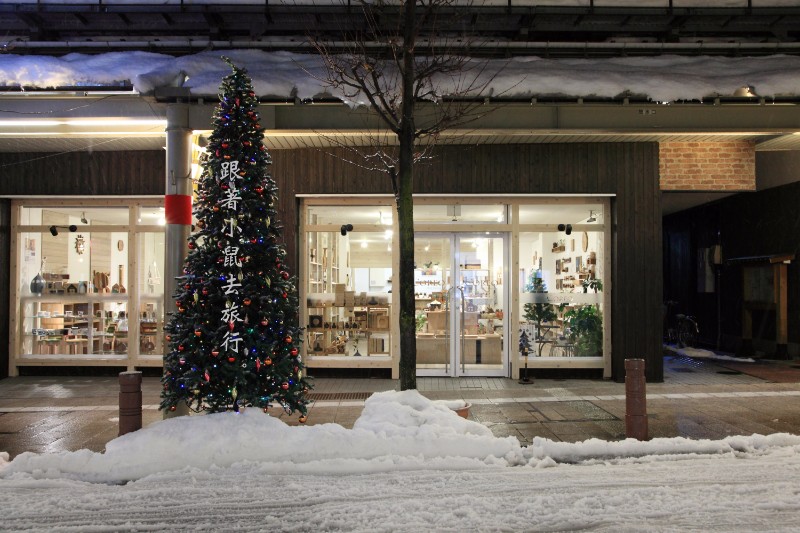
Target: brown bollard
(130, 402)
(635, 400)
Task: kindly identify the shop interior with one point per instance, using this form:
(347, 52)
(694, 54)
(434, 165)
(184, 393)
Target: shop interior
(75, 289)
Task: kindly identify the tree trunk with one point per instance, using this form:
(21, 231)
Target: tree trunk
(405, 208)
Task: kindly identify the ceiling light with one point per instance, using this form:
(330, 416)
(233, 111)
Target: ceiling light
(83, 218)
(363, 244)
(591, 217)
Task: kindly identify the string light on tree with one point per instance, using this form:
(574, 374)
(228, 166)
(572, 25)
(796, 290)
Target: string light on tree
(233, 340)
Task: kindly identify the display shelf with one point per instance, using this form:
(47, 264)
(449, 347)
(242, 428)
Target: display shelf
(68, 325)
(366, 332)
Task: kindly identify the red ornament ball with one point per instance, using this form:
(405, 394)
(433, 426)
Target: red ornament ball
(180, 347)
(293, 351)
(198, 332)
(287, 339)
(231, 359)
(225, 145)
(285, 386)
(302, 419)
(214, 353)
(172, 408)
(205, 292)
(285, 275)
(265, 322)
(268, 361)
(247, 301)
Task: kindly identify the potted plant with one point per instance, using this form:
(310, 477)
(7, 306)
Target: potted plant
(420, 322)
(595, 284)
(586, 329)
(538, 313)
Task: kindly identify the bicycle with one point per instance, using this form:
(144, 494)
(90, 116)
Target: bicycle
(680, 329)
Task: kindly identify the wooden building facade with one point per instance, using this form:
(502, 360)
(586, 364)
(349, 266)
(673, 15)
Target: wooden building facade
(626, 174)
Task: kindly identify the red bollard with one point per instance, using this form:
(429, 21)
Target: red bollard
(130, 402)
(635, 400)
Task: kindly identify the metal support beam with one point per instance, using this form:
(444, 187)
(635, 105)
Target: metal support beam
(178, 206)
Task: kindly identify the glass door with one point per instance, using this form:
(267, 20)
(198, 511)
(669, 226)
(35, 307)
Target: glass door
(460, 294)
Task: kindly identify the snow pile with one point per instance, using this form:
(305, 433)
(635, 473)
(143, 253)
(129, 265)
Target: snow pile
(397, 431)
(282, 74)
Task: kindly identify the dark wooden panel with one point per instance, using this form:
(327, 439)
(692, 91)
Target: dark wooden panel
(138, 173)
(5, 281)
(637, 263)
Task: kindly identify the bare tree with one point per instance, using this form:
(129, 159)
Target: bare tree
(419, 88)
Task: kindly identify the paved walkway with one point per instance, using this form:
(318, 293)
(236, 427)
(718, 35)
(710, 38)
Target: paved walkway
(698, 399)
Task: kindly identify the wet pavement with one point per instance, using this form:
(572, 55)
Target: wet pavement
(699, 399)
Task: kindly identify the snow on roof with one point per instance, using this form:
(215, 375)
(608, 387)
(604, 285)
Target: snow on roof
(286, 74)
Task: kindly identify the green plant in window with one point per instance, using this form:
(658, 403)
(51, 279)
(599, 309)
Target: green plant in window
(594, 284)
(538, 313)
(420, 321)
(585, 323)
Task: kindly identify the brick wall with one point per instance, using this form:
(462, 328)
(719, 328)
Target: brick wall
(718, 166)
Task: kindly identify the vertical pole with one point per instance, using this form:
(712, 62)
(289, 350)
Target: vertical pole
(177, 207)
(780, 288)
(130, 402)
(635, 400)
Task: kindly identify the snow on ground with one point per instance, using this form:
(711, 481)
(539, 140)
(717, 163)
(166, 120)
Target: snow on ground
(699, 353)
(408, 464)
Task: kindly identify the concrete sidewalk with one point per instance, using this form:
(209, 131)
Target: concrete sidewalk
(698, 399)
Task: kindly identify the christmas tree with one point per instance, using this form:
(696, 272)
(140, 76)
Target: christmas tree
(524, 343)
(233, 339)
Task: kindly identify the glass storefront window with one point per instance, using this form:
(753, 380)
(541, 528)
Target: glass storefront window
(357, 215)
(349, 293)
(456, 213)
(150, 216)
(75, 289)
(562, 211)
(468, 319)
(561, 305)
(80, 216)
(151, 294)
